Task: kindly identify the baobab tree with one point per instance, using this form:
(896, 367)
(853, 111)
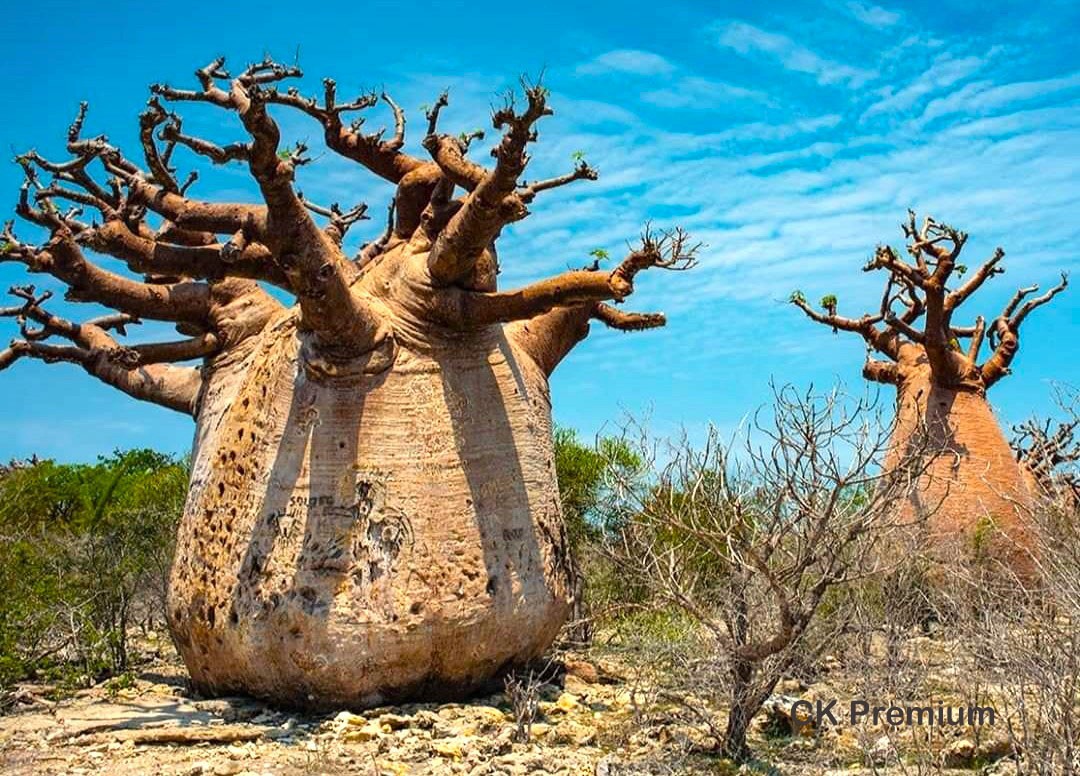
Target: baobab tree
(1047, 458)
(974, 491)
(373, 512)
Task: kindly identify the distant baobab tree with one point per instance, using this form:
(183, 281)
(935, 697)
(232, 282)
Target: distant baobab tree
(1048, 458)
(974, 483)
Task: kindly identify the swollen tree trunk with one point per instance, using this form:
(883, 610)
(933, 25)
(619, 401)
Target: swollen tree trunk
(363, 539)
(972, 498)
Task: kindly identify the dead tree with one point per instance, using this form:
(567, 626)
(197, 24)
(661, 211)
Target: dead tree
(974, 490)
(373, 511)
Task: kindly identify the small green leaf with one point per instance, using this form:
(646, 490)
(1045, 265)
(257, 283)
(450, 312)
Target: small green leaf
(797, 296)
(578, 156)
(828, 302)
(960, 269)
(599, 253)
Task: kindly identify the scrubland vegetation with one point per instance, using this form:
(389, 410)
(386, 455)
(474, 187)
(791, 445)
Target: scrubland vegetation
(720, 581)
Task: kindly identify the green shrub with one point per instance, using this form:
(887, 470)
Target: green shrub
(84, 551)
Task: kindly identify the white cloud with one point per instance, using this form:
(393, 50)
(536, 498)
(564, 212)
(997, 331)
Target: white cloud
(944, 72)
(873, 15)
(745, 39)
(763, 131)
(694, 91)
(630, 61)
(983, 96)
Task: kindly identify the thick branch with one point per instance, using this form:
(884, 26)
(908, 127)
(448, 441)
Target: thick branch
(382, 157)
(1006, 329)
(977, 335)
(169, 386)
(881, 371)
(550, 336)
(172, 352)
(101, 356)
(987, 270)
(62, 258)
(449, 152)
(571, 288)
(345, 323)
(627, 321)
(194, 215)
(493, 203)
(212, 262)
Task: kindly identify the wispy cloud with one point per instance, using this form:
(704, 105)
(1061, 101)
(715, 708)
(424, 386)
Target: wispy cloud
(694, 91)
(632, 61)
(678, 88)
(746, 39)
(944, 72)
(872, 15)
(981, 96)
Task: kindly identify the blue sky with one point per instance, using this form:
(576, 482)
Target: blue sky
(790, 137)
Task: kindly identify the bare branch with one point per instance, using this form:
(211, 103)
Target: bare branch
(977, 335)
(627, 321)
(382, 157)
(172, 131)
(987, 270)
(99, 355)
(63, 259)
(671, 251)
(1006, 329)
(582, 171)
(345, 324)
(340, 221)
(493, 203)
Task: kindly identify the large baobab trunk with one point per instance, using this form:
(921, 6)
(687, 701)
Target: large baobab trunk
(361, 539)
(373, 511)
(973, 500)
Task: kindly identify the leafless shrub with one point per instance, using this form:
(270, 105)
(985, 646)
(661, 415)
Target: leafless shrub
(523, 691)
(748, 537)
(1026, 648)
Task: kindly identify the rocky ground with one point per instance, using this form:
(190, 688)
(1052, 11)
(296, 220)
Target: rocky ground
(596, 717)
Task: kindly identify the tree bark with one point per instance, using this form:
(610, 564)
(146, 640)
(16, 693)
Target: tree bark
(741, 712)
(972, 495)
(351, 542)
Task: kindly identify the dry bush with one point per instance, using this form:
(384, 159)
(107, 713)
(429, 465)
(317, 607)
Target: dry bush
(968, 631)
(523, 691)
(1026, 647)
(747, 538)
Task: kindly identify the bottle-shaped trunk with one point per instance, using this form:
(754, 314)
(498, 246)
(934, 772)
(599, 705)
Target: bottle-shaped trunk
(352, 541)
(972, 498)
